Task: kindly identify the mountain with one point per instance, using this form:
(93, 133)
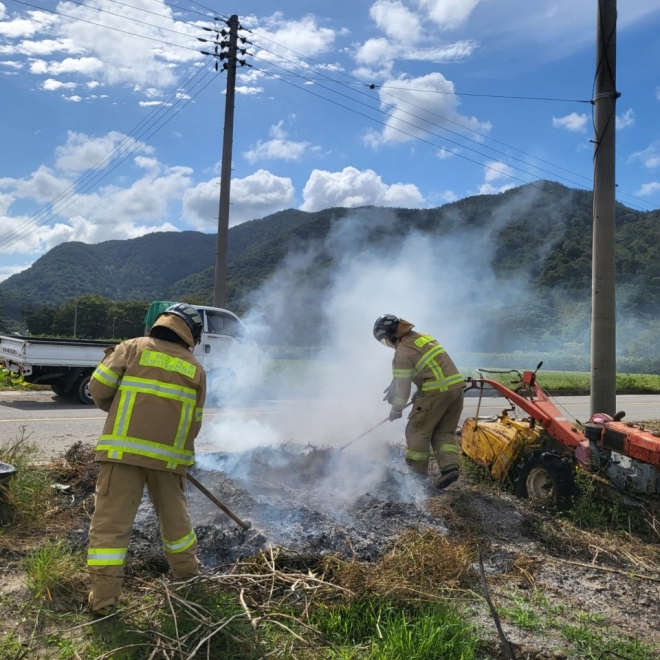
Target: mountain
(541, 229)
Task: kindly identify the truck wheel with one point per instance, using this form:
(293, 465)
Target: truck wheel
(547, 480)
(58, 389)
(82, 390)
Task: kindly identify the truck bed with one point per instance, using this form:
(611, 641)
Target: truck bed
(52, 351)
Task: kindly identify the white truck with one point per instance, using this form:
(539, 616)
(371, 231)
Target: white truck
(226, 350)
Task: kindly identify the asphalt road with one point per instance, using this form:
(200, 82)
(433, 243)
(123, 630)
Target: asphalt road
(54, 424)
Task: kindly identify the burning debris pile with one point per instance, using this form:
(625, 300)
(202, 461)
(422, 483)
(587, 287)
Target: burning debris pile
(306, 499)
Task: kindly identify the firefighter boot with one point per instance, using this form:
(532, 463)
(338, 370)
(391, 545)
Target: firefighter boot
(447, 477)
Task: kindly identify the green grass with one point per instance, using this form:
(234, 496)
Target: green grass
(50, 569)
(9, 381)
(28, 494)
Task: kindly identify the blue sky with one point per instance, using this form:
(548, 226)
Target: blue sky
(110, 134)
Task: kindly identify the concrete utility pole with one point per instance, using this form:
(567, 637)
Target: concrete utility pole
(603, 297)
(220, 282)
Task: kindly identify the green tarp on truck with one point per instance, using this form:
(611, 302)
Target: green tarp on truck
(155, 310)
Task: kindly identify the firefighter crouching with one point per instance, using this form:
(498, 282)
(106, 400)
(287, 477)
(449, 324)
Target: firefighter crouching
(153, 389)
(438, 402)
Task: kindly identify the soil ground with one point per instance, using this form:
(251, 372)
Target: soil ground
(562, 591)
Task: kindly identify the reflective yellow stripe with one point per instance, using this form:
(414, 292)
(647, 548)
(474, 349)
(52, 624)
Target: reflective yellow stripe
(185, 421)
(427, 357)
(106, 376)
(416, 455)
(182, 544)
(423, 340)
(443, 385)
(158, 388)
(198, 414)
(403, 373)
(397, 401)
(448, 449)
(106, 556)
(117, 445)
(167, 363)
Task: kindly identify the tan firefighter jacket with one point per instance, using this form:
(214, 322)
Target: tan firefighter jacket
(419, 359)
(154, 392)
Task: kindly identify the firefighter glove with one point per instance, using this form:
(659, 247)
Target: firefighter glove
(395, 414)
(389, 392)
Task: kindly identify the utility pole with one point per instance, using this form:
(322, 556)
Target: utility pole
(220, 281)
(603, 296)
(75, 319)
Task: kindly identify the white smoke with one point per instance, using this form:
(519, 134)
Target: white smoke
(332, 293)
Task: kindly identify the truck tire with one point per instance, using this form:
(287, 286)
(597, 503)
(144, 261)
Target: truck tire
(59, 390)
(547, 480)
(82, 390)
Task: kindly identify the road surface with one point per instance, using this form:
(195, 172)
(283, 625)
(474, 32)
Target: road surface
(54, 425)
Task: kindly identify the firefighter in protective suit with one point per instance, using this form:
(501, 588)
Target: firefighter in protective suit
(153, 390)
(438, 402)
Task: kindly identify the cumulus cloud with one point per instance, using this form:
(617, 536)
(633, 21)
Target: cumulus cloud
(396, 20)
(254, 196)
(574, 122)
(83, 65)
(82, 152)
(414, 109)
(52, 85)
(650, 157)
(277, 148)
(625, 120)
(42, 185)
(284, 37)
(649, 188)
(496, 170)
(448, 14)
(352, 187)
(8, 271)
(34, 22)
(12, 64)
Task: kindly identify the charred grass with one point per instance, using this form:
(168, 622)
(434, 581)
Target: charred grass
(421, 599)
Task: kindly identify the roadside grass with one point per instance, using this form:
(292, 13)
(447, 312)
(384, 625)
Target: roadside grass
(9, 381)
(578, 381)
(27, 496)
(578, 633)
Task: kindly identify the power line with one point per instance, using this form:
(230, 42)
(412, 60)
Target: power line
(84, 20)
(127, 140)
(361, 83)
(57, 211)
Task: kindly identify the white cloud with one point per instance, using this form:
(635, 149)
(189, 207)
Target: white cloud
(396, 20)
(495, 170)
(351, 188)
(52, 85)
(255, 196)
(150, 104)
(12, 64)
(448, 14)
(82, 65)
(574, 122)
(650, 156)
(44, 47)
(42, 185)
(489, 189)
(277, 148)
(418, 108)
(649, 188)
(8, 271)
(657, 93)
(34, 22)
(82, 152)
(625, 120)
(248, 91)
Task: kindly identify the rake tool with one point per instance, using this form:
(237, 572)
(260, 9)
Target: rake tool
(367, 432)
(244, 524)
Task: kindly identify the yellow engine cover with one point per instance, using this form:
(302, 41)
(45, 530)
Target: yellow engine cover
(497, 445)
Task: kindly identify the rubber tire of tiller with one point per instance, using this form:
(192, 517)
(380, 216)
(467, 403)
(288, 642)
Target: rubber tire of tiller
(559, 471)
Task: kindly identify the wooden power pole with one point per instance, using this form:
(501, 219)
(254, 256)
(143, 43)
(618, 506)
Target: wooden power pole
(603, 298)
(220, 281)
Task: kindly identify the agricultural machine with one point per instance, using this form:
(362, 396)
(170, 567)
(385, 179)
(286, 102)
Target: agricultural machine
(539, 453)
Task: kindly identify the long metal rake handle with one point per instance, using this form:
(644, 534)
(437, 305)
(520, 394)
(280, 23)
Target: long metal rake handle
(244, 524)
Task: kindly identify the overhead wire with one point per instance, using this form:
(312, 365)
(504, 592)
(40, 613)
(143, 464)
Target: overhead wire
(108, 27)
(54, 212)
(165, 106)
(361, 83)
(442, 137)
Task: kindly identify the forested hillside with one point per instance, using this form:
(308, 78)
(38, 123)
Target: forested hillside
(542, 230)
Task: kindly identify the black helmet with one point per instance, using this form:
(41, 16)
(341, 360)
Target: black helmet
(192, 318)
(384, 329)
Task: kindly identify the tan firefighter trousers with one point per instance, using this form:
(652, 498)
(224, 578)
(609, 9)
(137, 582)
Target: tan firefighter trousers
(432, 424)
(119, 490)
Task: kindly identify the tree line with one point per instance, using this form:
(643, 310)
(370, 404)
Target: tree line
(87, 317)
